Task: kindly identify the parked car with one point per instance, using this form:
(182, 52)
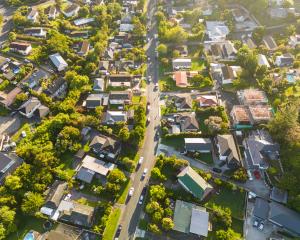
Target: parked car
(261, 226)
(144, 173)
(141, 160)
(131, 190)
(217, 170)
(118, 232)
(255, 223)
(141, 200)
(156, 87)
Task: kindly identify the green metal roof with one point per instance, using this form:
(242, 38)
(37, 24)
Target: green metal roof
(193, 186)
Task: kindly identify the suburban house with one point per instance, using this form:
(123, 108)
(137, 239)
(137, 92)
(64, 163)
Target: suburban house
(240, 116)
(223, 50)
(75, 213)
(36, 32)
(216, 30)
(227, 151)
(6, 100)
(202, 145)
(35, 78)
(41, 112)
(285, 60)
(52, 12)
(120, 80)
(239, 15)
(279, 195)
(181, 63)
(83, 21)
(262, 60)
(104, 67)
(58, 62)
(113, 117)
(252, 96)
(98, 85)
(229, 73)
(54, 196)
(92, 167)
(270, 43)
(126, 27)
(8, 163)
(259, 149)
(261, 209)
(294, 40)
(182, 101)
(84, 48)
(249, 42)
(120, 97)
(207, 101)
(180, 78)
(79, 34)
(95, 100)
(192, 182)
(20, 47)
(187, 122)
(260, 113)
(33, 15)
(190, 218)
(57, 88)
(105, 146)
(28, 108)
(71, 10)
(277, 214)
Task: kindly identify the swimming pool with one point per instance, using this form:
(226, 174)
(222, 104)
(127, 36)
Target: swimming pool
(290, 77)
(29, 236)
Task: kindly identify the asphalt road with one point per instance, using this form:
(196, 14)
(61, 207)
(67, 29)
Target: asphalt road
(131, 212)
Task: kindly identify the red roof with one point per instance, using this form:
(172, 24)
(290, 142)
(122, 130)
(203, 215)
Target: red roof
(181, 79)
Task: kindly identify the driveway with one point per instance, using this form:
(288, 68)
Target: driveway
(252, 232)
(9, 125)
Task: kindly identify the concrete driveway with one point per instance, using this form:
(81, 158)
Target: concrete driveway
(9, 125)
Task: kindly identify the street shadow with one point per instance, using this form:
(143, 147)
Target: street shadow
(134, 220)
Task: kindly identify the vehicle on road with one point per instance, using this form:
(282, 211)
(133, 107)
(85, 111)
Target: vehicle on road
(148, 107)
(256, 174)
(118, 232)
(261, 226)
(249, 175)
(141, 200)
(217, 170)
(144, 173)
(156, 87)
(255, 223)
(141, 160)
(148, 120)
(131, 190)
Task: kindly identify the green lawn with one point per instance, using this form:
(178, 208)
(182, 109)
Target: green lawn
(26, 127)
(176, 143)
(25, 224)
(166, 83)
(112, 224)
(3, 111)
(237, 226)
(235, 200)
(197, 65)
(205, 157)
(143, 224)
(124, 194)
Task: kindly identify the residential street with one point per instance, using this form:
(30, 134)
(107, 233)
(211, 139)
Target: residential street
(131, 214)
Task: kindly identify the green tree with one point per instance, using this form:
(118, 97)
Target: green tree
(228, 235)
(13, 182)
(152, 207)
(68, 139)
(157, 192)
(156, 217)
(116, 176)
(154, 228)
(83, 11)
(124, 134)
(12, 36)
(32, 203)
(162, 50)
(258, 34)
(167, 224)
(7, 218)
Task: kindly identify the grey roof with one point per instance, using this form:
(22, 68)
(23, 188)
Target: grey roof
(188, 122)
(56, 194)
(115, 116)
(85, 175)
(228, 147)
(279, 195)
(95, 100)
(29, 105)
(199, 222)
(125, 95)
(285, 217)
(55, 85)
(36, 77)
(198, 144)
(43, 111)
(120, 78)
(261, 208)
(5, 162)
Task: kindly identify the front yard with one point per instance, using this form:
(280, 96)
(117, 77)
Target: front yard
(112, 224)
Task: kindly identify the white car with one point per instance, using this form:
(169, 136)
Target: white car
(261, 226)
(141, 160)
(141, 199)
(145, 172)
(131, 190)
